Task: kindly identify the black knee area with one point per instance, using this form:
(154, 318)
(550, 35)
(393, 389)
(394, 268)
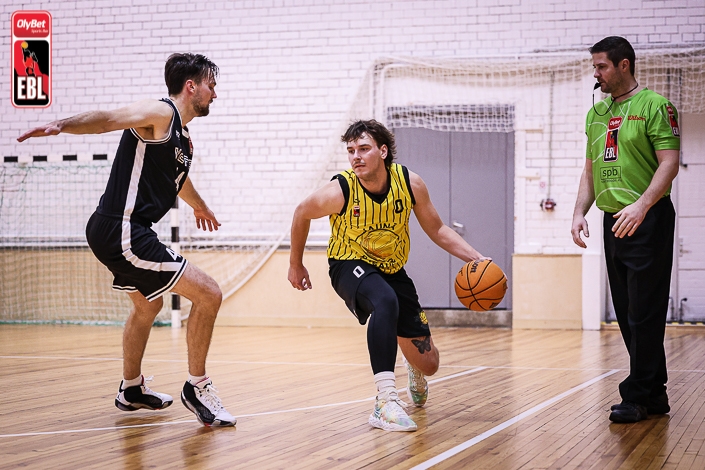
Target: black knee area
(375, 295)
(378, 300)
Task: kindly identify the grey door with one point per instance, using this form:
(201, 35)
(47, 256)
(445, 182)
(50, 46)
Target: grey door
(688, 289)
(470, 177)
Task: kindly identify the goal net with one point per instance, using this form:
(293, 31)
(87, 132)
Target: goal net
(48, 274)
(47, 271)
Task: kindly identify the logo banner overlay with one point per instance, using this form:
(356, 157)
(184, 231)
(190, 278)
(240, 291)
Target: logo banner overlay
(611, 140)
(31, 59)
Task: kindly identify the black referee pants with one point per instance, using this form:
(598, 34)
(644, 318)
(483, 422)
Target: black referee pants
(639, 271)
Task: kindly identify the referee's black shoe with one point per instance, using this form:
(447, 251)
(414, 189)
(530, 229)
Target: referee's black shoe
(141, 397)
(628, 412)
(656, 406)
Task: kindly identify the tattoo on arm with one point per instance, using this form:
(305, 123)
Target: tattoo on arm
(423, 345)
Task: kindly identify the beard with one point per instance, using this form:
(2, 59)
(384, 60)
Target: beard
(201, 110)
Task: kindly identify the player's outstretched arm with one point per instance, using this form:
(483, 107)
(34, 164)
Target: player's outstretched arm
(431, 223)
(205, 219)
(151, 118)
(325, 201)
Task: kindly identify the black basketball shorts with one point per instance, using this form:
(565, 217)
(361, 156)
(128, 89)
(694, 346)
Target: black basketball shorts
(135, 256)
(346, 276)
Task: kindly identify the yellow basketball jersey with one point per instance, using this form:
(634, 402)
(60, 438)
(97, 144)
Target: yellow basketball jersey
(372, 228)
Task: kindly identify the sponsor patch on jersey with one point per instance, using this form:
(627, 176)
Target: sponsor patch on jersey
(636, 118)
(673, 121)
(31, 59)
(611, 174)
(181, 157)
(611, 139)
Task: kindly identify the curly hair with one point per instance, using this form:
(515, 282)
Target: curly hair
(376, 130)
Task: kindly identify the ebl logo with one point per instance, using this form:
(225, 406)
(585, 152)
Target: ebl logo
(31, 59)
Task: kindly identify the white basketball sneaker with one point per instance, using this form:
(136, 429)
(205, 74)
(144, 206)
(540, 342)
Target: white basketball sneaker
(141, 397)
(203, 401)
(389, 414)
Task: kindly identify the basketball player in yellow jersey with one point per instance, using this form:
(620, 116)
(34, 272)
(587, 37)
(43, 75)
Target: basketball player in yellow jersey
(369, 208)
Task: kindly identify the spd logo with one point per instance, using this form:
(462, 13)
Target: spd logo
(31, 59)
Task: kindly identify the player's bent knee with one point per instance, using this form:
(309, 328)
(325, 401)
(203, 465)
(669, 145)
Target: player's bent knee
(431, 367)
(157, 304)
(427, 362)
(144, 308)
(386, 302)
(428, 368)
(211, 291)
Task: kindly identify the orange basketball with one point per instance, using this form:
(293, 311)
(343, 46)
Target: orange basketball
(480, 285)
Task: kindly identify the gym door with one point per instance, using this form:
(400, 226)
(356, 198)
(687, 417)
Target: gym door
(688, 286)
(470, 177)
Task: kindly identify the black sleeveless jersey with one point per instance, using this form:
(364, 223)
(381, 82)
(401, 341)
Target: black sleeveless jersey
(147, 175)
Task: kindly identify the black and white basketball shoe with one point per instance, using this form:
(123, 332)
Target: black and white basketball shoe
(202, 400)
(141, 397)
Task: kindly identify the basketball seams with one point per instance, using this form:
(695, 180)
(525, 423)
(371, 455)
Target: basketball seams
(466, 296)
(466, 278)
(479, 275)
(479, 300)
(504, 279)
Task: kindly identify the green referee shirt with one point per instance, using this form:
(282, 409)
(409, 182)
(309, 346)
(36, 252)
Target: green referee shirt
(622, 145)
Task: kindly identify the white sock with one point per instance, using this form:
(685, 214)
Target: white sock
(132, 382)
(194, 380)
(386, 382)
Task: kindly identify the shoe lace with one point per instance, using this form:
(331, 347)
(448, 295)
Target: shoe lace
(396, 404)
(208, 396)
(145, 381)
(394, 410)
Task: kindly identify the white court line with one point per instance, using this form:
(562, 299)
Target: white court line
(265, 413)
(467, 444)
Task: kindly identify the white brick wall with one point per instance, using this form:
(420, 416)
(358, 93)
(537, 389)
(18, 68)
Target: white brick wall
(290, 71)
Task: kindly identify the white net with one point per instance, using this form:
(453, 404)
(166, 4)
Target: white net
(47, 272)
(502, 94)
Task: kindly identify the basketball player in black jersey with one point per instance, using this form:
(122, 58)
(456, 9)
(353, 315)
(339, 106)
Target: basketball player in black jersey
(369, 208)
(150, 169)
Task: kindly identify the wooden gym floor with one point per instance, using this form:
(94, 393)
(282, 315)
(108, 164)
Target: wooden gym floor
(502, 399)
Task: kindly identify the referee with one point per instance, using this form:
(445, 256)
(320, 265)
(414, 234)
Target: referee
(633, 143)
